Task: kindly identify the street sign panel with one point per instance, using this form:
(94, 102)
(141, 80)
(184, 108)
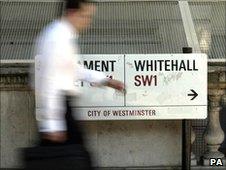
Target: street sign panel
(159, 86)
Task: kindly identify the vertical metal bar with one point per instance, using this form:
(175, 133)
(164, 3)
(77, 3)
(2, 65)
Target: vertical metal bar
(193, 42)
(186, 134)
(189, 27)
(186, 144)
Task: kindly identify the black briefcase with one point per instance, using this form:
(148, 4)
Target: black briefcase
(65, 157)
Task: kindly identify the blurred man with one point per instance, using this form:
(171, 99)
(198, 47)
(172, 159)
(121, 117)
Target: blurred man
(56, 71)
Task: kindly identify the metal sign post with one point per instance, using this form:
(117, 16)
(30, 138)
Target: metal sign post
(186, 133)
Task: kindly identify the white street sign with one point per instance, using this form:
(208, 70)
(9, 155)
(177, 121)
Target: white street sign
(159, 86)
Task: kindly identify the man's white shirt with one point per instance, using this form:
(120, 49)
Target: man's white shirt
(56, 73)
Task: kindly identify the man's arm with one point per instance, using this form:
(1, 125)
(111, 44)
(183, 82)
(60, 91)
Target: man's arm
(115, 84)
(99, 78)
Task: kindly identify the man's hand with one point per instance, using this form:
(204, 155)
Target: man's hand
(58, 137)
(115, 84)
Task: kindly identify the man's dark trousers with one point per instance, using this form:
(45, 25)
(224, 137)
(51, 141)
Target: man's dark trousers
(70, 155)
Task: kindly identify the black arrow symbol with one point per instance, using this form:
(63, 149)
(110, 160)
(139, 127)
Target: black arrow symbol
(194, 94)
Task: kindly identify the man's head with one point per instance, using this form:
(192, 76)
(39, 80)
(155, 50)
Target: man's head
(79, 13)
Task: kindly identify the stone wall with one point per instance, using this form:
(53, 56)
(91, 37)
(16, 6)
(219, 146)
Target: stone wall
(111, 143)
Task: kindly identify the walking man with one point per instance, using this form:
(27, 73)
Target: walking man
(56, 71)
